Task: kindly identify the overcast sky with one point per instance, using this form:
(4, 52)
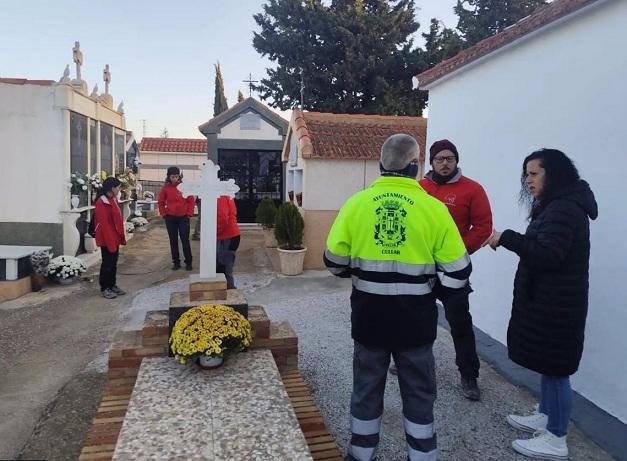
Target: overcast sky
(161, 53)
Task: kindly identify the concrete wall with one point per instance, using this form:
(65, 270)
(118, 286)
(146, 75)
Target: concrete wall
(328, 183)
(35, 152)
(562, 88)
(317, 225)
(155, 164)
(266, 131)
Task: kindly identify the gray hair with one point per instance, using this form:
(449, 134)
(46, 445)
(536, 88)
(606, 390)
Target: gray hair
(398, 151)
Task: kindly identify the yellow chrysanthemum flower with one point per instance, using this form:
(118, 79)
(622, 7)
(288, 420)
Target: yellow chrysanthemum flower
(210, 329)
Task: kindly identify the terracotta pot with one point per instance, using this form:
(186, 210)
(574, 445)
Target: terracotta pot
(292, 261)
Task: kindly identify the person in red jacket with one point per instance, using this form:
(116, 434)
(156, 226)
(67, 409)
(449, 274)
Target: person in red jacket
(176, 210)
(470, 208)
(228, 236)
(109, 228)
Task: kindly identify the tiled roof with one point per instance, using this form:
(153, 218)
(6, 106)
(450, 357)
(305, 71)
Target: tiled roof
(192, 146)
(216, 123)
(24, 81)
(351, 136)
(540, 18)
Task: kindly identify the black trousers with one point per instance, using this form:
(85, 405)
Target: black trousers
(108, 268)
(457, 312)
(178, 226)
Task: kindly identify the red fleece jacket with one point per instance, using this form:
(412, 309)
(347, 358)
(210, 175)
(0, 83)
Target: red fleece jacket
(469, 206)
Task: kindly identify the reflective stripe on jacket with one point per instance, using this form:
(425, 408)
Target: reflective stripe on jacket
(395, 241)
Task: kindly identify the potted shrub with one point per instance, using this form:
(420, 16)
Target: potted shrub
(208, 333)
(265, 214)
(288, 231)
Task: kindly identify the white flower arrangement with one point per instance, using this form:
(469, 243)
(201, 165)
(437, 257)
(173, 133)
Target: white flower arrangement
(129, 226)
(63, 267)
(77, 184)
(139, 221)
(95, 181)
(149, 195)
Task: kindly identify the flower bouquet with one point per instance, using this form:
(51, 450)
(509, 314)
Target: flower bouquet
(63, 268)
(78, 183)
(129, 226)
(209, 331)
(95, 181)
(149, 195)
(128, 181)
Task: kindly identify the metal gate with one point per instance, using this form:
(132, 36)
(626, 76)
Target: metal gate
(258, 173)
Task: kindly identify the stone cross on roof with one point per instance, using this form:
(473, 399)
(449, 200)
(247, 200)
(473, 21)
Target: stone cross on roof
(106, 76)
(77, 57)
(209, 188)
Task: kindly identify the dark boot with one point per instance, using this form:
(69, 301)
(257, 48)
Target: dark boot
(470, 389)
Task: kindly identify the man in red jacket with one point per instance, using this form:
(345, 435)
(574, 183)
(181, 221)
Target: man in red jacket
(469, 206)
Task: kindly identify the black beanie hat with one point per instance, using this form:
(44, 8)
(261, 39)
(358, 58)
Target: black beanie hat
(173, 170)
(439, 146)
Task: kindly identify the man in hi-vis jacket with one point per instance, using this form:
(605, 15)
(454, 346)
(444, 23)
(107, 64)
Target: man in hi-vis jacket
(395, 240)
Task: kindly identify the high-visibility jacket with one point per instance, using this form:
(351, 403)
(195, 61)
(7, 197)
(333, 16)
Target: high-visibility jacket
(396, 241)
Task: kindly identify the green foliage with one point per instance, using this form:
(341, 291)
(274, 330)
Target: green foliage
(351, 56)
(485, 18)
(219, 101)
(441, 43)
(265, 214)
(289, 227)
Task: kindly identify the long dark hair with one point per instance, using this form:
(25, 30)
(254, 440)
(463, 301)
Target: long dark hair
(559, 172)
(107, 185)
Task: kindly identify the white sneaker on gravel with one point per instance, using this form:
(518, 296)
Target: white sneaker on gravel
(535, 422)
(544, 445)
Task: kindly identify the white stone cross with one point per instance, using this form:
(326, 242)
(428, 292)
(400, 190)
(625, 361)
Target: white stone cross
(209, 188)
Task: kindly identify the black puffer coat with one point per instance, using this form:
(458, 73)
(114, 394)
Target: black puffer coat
(546, 330)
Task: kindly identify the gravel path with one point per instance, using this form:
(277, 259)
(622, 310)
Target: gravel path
(317, 306)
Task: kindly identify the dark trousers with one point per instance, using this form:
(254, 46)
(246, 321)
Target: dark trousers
(108, 268)
(178, 226)
(457, 312)
(225, 258)
(416, 379)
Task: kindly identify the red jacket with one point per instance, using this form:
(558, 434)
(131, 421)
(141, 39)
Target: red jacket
(227, 226)
(469, 206)
(172, 202)
(109, 224)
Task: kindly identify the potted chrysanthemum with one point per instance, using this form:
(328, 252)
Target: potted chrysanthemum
(64, 269)
(208, 333)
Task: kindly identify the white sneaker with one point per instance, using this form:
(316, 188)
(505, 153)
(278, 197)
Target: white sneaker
(544, 445)
(535, 422)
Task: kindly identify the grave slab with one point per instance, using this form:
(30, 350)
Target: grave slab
(238, 411)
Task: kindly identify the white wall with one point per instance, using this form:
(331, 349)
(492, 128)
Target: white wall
(328, 183)
(266, 131)
(564, 88)
(167, 159)
(35, 163)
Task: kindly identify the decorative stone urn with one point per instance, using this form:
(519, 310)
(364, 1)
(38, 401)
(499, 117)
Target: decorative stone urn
(74, 201)
(292, 261)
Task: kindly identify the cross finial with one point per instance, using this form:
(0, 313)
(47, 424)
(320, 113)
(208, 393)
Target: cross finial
(250, 82)
(77, 57)
(106, 76)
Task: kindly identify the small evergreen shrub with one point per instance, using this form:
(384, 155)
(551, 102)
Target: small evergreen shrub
(265, 214)
(289, 227)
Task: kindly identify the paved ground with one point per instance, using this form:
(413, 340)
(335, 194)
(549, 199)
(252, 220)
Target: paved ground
(53, 358)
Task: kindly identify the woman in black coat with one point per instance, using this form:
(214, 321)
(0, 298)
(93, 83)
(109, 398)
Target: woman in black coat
(546, 330)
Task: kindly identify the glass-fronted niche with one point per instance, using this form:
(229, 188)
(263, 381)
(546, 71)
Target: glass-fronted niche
(79, 153)
(106, 148)
(120, 144)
